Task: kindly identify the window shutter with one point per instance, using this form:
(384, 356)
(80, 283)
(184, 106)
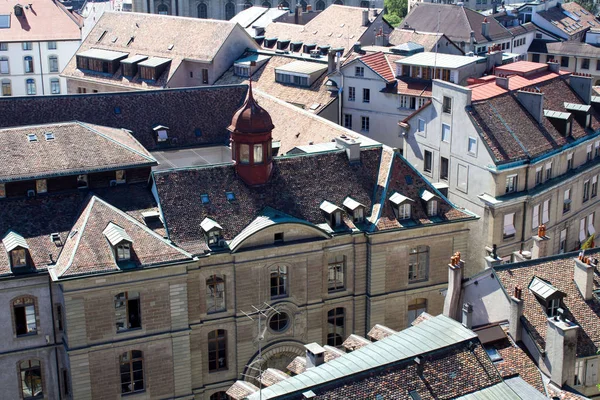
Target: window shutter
(590, 224)
(546, 212)
(582, 234)
(535, 220)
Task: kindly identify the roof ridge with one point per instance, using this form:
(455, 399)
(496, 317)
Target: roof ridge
(87, 211)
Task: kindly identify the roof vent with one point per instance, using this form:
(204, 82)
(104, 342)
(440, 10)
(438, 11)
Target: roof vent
(32, 137)
(49, 135)
(55, 238)
(170, 47)
(101, 36)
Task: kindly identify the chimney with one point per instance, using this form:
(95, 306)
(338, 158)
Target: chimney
(533, 101)
(455, 276)
(540, 244)
(419, 362)
(584, 277)
(298, 15)
(561, 350)
(516, 312)
(502, 81)
(472, 42)
(356, 47)
(315, 355)
(467, 315)
(494, 7)
(351, 146)
(331, 64)
(485, 27)
(582, 85)
(365, 17)
(553, 66)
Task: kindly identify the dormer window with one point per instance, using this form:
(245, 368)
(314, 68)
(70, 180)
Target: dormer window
(119, 240)
(162, 133)
(333, 214)
(549, 296)
(17, 249)
(299, 73)
(355, 209)
(213, 232)
(432, 202)
(402, 206)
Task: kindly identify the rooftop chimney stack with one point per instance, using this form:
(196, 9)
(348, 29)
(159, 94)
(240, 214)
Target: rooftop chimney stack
(331, 58)
(584, 277)
(315, 355)
(298, 15)
(516, 312)
(467, 315)
(485, 27)
(365, 17)
(502, 81)
(561, 350)
(553, 66)
(540, 244)
(493, 260)
(351, 146)
(455, 276)
(533, 101)
(582, 85)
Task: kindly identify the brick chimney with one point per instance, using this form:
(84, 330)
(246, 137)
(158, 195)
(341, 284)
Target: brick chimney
(582, 85)
(533, 101)
(561, 351)
(516, 312)
(541, 242)
(467, 315)
(315, 355)
(453, 295)
(584, 277)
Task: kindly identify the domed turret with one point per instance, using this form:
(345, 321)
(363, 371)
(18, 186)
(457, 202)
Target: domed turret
(251, 138)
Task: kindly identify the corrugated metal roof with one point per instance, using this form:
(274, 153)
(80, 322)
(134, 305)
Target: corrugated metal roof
(500, 391)
(100, 54)
(430, 335)
(302, 67)
(115, 234)
(208, 224)
(154, 62)
(577, 107)
(428, 59)
(351, 204)
(523, 389)
(397, 198)
(556, 114)
(12, 240)
(542, 288)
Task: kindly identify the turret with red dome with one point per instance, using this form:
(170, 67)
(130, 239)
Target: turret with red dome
(251, 128)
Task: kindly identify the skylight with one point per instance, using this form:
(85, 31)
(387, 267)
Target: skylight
(32, 137)
(49, 135)
(204, 198)
(494, 355)
(230, 196)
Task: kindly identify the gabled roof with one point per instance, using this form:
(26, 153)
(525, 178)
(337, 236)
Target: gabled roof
(87, 251)
(115, 234)
(379, 64)
(209, 224)
(426, 39)
(76, 148)
(570, 18)
(12, 240)
(456, 22)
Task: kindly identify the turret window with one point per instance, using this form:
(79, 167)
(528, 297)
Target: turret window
(244, 153)
(258, 153)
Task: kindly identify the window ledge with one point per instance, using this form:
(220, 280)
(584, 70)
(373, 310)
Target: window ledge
(133, 393)
(27, 335)
(411, 282)
(129, 330)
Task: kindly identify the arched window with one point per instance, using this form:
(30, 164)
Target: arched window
(266, 4)
(219, 396)
(320, 6)
(418, 263)
(202, 11)
(4, 69)
(217, 350)
(284, 4)
(163, 9)
(215, 294)
(247, 4)
(279, 281)
(339, 2)
(54, 86)
(229, 10)
(25, 316)
(132, 371)
(28, 64)
(304, 4)
(30, 85)
(335, 327)
(364, 4)
(415, 308)
(30, 374)
(6, 87)
(53, 63)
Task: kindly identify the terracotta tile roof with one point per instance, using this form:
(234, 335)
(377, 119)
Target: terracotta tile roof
(151, 35)
(556, 393)
(380, 65)
(561, 21)
(558, 271)
(241, 389)
(523, 68)
(426, 39)
(75, 148)
(489, 89)
(42, 20)
(313, 99)
(446, 374)
(515, 361)
(298, 365)
(456, 22)
(522, 28)
(271, 376)
(413, 87)
(57, 213)
(423, 317)
(138, 112)
(511, 133)
(379, 332)
(355, 342)
(86, 250)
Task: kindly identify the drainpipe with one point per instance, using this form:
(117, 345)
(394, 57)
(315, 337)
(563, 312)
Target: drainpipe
(523, 224)
(341, 99)
(41, 67)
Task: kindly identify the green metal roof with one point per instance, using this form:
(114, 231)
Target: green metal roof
(500, 391)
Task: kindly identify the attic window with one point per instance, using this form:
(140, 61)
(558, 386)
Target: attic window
(230, 196)
(198, 132)
(204, 198)
(354, 208)
(32, 137)
(124, 251)
(119, 240)
(333, 214)
(402, 206)
(16, 247)
(212, 231)
(49, 135)
(494, 355)
(549, 296)
(162, 133)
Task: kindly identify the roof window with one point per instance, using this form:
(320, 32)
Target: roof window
(213, 232)
(162, 133)
(49, 135)
(101, 36)
(230, 196)
(130, 40)
(356, 209)
(332, 213)
(119, 240)
(117, 110)
(204, 198)
(32, 137)
(55, 238)
(548, 296)
(402, 206)
(17, 249)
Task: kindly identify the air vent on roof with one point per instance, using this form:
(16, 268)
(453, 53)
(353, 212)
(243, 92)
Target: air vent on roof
(49, 135)
(130, 40)
(114, 39)
(55, 238)
(102, 36)
(170, 47)
(32, 137)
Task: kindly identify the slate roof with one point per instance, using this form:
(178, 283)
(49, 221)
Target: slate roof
(138, 112)
(557, 270)
(292, 189)
(511, 133)
(191, 39)
(76, 148)
(44, 20)
(522, 29)
(86, 250)
(57, 213)
(567, 48)
(563, 21)
(313, 99)
(456, 22)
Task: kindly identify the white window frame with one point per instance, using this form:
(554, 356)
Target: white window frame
(404, 211)
(472, 145)
(582, 231)
(546, 211)
(512, 183)
(419, 122)
(432, 208)
(446, 133)
(535, 217)
(509, 230)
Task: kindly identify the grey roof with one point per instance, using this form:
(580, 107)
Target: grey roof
(328, 207)
(100, 54)
(430, 335)
(115, 234)
(500, 391)
(315, 348)
(409, 46)
(134, 59)
(208, 224)
(542, 288)
(556, 114)
(429, 59)
(577, 107)
(351, 204)
(252, 57)
(154, 62)
(397, 198)
(524, 389)
(12, 240)
(302, 67)
(427, 195)
(246, 17)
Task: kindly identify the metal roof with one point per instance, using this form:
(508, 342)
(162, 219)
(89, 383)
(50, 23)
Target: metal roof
(397, 198)
(115, 234)
(252, 57)
(577, 107)
(500, 391)
(490, 334)
(134, 59)
(428, 336)
(208, 225)
(154, 62)
(315, 348)
(351, 204)
(524, 389)
(408, 46)
(302, 67)
(556, 114)
(328, 207)
(12, 240)
(106, 55)
(542, 288)
(429, 59)
(427, 195)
